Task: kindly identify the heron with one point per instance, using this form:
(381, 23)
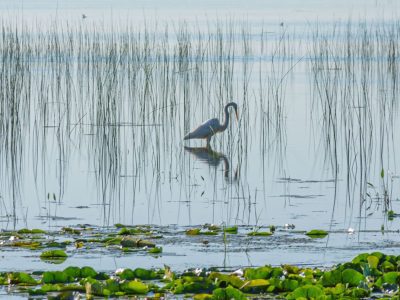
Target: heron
(212, 126)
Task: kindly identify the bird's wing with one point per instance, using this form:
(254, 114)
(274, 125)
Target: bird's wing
(208, 128)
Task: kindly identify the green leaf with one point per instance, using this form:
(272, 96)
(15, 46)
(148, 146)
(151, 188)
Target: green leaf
(360, 258)
(193, 231)
(391, 277)
(290, 285)
(359, 293)
(155, 250)
(56, 277)
(373, 261)
(382, 173)
(145, 274)
(352, 277)
(231, 230)
(387, 266)
(228, 293)
(73, 271)
(259, 233)
(29, 231)
(127, 274)
(316, 233)
(202, 297)
(135, 287)
(331, 278)
(21, 278)
(258, 273)
(308, 292)
(88, 272)
(224, 279)
(53, 254)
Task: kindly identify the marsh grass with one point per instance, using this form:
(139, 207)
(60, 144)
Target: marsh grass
(119, 100)
(355, 71)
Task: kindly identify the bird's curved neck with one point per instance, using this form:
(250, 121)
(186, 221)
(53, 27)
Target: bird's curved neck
(226, 121)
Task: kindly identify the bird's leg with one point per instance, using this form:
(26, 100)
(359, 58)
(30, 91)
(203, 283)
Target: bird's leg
(208, 143)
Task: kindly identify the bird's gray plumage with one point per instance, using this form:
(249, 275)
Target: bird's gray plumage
(211, 127)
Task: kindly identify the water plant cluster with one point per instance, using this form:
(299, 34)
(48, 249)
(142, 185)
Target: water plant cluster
(368, 274)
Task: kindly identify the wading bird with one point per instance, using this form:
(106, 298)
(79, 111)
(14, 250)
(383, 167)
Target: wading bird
(212, 126)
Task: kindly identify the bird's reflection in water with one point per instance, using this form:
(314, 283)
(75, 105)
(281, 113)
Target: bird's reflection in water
(213, 158)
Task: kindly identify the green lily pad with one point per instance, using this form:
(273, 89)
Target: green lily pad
(203, 297)
(391, 277)
(224, 280)
(307, 291)
(228, 293)
(74, 272)
(194, 231)
(360, 258)
(290, 285)
(231, 230)
(53, 254)
(129, 242)
(127, 274)
(373, 261)
(352, 277)
(87, 272)
(27, 244)
(56, 277)
(135, 287)
(258, 273)
(259, 233)
(31, 231)
(331, 278)
(145, 274)
(155, 250)
(316, 233)
(21, 278)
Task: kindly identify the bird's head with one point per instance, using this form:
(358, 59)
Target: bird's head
(235, 106)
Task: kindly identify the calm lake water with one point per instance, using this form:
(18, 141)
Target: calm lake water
(101, 93)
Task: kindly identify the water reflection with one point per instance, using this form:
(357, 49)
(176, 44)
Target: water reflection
(213, 158)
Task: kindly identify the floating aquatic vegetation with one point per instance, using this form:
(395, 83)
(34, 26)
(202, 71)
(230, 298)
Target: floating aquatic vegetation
(259, 233)
(365, 274)
(54, 256)
(231, 230)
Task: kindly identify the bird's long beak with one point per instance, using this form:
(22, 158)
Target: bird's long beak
(237, 115)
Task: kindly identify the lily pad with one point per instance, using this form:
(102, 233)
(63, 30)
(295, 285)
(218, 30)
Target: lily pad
(316, 233)
(88, 272)
(155, 250)
(193, 231)
(308, 292)
(21, 278)
(231, 230)
(259, 233)
(228, 293)
(352, 277)
(331, 278)
(135, 287)
(53, 254)
(130, 242)
(56, 277)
